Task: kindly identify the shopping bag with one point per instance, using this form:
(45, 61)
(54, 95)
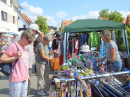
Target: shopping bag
(54, 64)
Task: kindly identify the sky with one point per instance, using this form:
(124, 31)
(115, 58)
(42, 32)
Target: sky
(57, 10)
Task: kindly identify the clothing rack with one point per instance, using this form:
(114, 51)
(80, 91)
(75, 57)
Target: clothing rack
(93, 76)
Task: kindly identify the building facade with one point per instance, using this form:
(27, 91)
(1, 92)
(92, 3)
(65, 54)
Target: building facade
(23, 21)
(9, 15)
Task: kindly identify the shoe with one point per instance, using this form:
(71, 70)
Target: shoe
(41, 93)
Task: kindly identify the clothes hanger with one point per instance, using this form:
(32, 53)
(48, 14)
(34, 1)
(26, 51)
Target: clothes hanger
(96, 87)
(104, 87)
(120, 89)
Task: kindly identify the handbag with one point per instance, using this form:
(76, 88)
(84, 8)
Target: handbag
(6, 68)
(54, 64)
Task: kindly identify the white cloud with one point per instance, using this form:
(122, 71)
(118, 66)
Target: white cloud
(51, 20)
(91, 15)
(61, 14)
(32, 13)
(95, 14)
(31, 9)
(79, 17)
(125, 13)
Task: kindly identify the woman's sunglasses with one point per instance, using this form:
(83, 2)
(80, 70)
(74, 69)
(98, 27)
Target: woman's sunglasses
(29, 41)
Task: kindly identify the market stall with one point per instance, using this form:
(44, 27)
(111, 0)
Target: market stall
(79, 73)
(83, 25)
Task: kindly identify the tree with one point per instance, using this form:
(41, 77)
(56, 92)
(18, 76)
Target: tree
(104, 13)
(111, 15)
(115, 17)
(42, 24)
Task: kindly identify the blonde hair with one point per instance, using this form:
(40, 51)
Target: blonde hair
(47, 38)
(28, 34)
(106, 34)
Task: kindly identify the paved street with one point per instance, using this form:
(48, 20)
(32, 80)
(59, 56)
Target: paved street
(4, 87)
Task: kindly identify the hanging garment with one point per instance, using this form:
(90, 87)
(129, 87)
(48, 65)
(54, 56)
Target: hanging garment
(83, 39)
(104, 93)
(102, 49)
(84, 93)
(113, 90)
(76, 45)
(94, 40)
(61, 59)
(95, 93)
(113, 36)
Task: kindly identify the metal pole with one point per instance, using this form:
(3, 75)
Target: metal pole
(93, 76)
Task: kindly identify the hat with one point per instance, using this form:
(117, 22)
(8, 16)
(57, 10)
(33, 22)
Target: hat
(34, 27)
(85, 48)
(3, 35)
(2, 42)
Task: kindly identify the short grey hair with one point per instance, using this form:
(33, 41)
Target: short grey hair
(106, 34)
(28, 34)
(47, 38)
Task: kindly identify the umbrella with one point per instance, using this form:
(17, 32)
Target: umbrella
(8, 35)
(3, 30)
(16, 33)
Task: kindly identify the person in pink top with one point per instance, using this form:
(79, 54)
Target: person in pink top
(19, 78)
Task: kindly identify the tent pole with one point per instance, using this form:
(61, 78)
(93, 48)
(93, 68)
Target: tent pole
(67, 37)
(64, 54)
(124, 37)
(127, 42)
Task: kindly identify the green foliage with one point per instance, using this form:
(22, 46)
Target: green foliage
(111, 15)
(104, 13)
(52, 27)
(115, 17)
(128, 30)
(42, 24)
(62, 30)
(122, 43)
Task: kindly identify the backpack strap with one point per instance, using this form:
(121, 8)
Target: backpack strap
(17, 59)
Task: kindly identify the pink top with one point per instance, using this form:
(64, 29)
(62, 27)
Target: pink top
(20, 70)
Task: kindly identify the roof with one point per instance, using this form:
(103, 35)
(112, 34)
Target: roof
(27, 20)
(124, 21)
(66, 22)
(83, 25)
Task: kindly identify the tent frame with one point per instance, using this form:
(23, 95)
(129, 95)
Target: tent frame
(66, 36)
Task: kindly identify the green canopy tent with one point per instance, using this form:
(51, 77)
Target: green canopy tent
(83, 25)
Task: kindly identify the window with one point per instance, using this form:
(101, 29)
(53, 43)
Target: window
(24, 26)
(3, 1)
(3, 16)
(14, 19)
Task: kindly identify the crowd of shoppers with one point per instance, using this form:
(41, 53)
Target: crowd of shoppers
(43, 47)
(20, 78)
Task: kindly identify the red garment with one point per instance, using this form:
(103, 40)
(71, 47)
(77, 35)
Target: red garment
(61, 59)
